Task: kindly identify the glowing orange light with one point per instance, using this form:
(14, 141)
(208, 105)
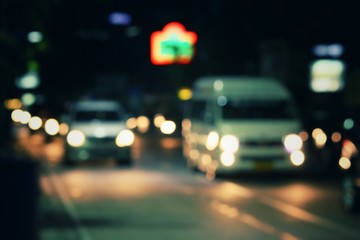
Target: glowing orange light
(172, 45)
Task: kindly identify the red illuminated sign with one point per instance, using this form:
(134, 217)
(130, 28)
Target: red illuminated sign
(172, 45)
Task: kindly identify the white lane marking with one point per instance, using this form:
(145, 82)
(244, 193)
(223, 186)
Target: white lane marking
(250, 220)
(308, 217)
(69, 207)
(291, 210)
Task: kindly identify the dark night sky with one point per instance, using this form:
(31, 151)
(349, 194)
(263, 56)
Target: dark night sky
(226, 26)
(229, 35)
(229, 28)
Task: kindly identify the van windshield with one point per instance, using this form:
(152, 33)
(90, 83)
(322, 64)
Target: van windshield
(264, 109)
(97, 115)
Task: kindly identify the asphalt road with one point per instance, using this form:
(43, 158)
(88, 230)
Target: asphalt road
(159, 198)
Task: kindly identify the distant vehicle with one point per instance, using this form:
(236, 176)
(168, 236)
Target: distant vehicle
(349, 163)
(323, 117)
(98, 131)
(239, 123)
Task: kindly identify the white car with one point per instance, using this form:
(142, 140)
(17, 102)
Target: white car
(98, 131)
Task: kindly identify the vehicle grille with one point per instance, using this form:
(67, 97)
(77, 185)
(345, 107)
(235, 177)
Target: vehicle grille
(264, 158)
(101, 141)
(262, 143)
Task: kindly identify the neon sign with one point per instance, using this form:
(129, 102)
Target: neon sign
(172, 45)
(327, 75)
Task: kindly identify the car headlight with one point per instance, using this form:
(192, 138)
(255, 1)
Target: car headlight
(297, 158)
(125, 138)
(212, 141)
(229, 143)
(76, 138)
(168, 127)
(227, 159)
(292, 142)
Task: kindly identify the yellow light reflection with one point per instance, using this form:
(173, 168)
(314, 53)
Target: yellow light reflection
(23, 132)
(54, 151)
(232, 191)
(250, 220)
(297, 193)
(76, 192)
(225, 209)
(85, 184)
(170, 143)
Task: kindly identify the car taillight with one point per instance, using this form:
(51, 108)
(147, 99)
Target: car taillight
(348, 148)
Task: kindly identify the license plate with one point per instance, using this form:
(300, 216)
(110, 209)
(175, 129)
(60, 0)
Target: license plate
(263, 166)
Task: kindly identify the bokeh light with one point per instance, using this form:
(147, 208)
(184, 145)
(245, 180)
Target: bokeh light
(25, 117)
(63, 129)
(13, 103)
(158, 120)
(348, 123)
(143, 124)
(16, 115)
(297, 158)
(28, 99)
(344, 163)
(52, 126)
(336, 137)
(120, 18)
(131, 123)
(35, 123)
(319, 137)
(168, 127)
(35, 37)
(29, 80)
(185, 94)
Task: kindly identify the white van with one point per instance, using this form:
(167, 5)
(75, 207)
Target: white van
(241, 123)
(98, 131)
